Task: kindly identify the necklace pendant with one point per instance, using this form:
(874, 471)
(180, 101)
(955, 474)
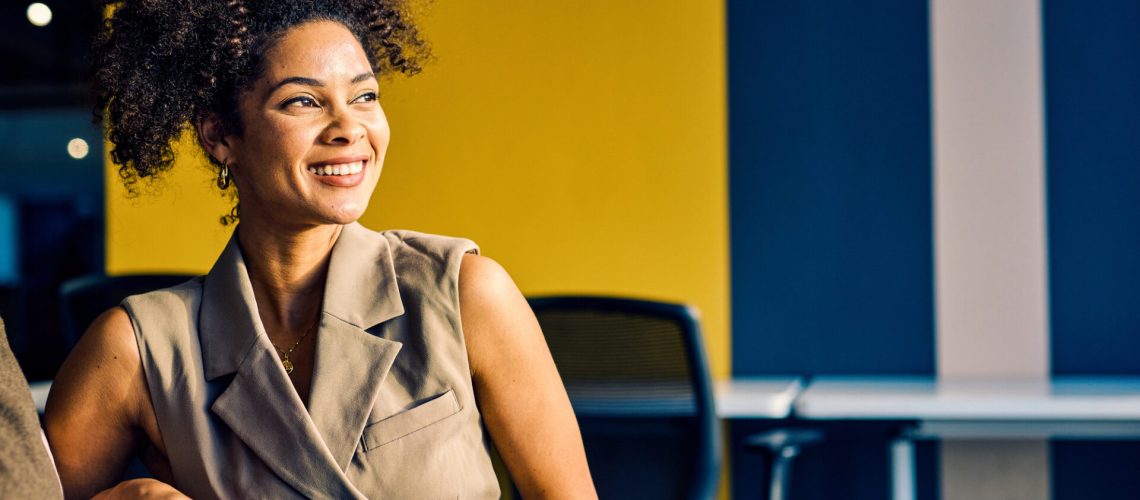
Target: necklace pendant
(288, 365)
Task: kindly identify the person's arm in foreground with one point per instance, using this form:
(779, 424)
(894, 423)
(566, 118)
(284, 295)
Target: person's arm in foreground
(25, 469)
(520, 394)
(94, 411)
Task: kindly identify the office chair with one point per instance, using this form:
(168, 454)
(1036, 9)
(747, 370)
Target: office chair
(638, 379)
(84, 298)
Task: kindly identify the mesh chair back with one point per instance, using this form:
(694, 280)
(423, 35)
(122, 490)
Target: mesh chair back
(84, 298)
(637, 377)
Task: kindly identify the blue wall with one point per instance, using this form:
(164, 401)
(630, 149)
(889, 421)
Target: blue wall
(51, 228)
(36, 163)
(830, 187)
(1092, 107)
(9, 253)
(831, 216)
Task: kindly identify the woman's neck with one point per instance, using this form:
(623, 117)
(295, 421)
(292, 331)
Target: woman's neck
(287, 268)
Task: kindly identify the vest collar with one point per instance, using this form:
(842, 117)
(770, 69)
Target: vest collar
(308, 448)
(361, 289)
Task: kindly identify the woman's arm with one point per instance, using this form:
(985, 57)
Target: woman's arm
(520, 394)
(92, 419)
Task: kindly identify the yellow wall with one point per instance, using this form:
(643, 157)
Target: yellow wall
(582, 144)
(172, 225)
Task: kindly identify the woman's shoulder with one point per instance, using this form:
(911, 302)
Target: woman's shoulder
(165, 316)
(405, 241)
(427, 258)
(165, 301)
(428, 264)
(113, 333)
(182, 292)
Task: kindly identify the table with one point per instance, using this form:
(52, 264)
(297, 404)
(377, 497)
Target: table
(768, 397)
(745, 397)
(757, 397)
(1063, 407)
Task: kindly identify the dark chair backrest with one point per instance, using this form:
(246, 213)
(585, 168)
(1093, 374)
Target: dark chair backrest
(84, 298)
(639, 382)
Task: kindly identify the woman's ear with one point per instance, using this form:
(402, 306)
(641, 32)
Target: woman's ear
(212, 136)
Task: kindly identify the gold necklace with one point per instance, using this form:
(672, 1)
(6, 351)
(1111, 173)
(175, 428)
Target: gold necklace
(285, 354)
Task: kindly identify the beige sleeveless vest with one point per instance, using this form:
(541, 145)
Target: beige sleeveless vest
(391, 413)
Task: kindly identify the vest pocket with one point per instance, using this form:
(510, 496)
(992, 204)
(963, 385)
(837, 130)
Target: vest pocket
(408, 421)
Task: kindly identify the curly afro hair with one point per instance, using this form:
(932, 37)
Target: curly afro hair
(163, 64)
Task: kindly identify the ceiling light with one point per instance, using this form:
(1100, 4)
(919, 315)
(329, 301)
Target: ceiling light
(77, 148)
(39, 14)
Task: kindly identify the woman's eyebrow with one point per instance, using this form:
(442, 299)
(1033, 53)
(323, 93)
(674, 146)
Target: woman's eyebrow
(313, 82)
(363, 76)
(298, 80)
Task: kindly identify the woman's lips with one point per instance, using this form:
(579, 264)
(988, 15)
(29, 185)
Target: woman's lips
(347, 174)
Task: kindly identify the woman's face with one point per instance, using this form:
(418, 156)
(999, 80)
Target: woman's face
(314, 135)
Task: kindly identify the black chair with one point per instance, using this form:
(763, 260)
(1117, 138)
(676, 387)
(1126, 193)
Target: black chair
(84, 298)
(639, 382)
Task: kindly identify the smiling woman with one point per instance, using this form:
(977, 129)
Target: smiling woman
(317, 118)
(317, 358)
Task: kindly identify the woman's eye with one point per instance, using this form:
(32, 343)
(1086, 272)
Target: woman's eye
(366, 97)
(301, 102)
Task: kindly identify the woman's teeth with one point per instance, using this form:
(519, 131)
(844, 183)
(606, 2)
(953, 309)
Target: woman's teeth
(339, 169)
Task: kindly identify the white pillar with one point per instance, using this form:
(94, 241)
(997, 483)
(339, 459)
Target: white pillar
(990, 246)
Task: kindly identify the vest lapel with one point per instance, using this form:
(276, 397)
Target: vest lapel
(263, 410)
(351, 364)
(259, 405)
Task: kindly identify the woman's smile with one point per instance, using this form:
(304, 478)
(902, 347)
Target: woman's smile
(340, 172)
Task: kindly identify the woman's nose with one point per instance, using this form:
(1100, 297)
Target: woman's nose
(343, 128)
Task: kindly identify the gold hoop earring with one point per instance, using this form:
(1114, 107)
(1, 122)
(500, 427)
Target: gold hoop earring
(224, 177)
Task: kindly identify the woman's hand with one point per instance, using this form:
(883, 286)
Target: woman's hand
(149, 489)
(520, 395)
